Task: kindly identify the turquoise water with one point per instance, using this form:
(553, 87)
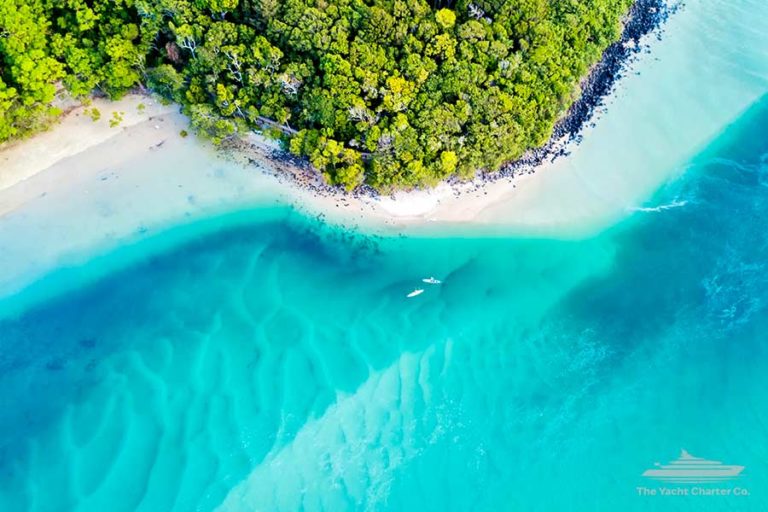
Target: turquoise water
(277, 365)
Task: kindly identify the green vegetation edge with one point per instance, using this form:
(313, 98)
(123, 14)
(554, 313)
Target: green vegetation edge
(387, 93)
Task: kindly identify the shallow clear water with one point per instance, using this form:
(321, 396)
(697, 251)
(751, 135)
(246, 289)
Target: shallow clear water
(279, 366)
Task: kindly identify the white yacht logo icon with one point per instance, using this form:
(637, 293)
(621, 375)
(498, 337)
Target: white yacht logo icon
(693, 470)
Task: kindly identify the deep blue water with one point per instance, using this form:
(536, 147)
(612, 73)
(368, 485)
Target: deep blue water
(279, 366)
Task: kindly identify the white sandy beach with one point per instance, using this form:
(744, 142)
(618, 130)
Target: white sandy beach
(84, 187)
(81, 163)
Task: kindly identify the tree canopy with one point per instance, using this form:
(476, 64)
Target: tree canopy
(392, 93)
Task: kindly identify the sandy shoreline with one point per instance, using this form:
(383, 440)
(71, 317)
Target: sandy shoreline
(74, 133)
(77, 148)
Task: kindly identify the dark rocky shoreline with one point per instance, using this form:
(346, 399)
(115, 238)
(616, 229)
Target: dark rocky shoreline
(644, 17)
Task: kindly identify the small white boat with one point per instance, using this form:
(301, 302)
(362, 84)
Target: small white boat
(431, 280)
(417, 291)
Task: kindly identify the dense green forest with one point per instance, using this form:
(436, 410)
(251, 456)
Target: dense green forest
(392, 93)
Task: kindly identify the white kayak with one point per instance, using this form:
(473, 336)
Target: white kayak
(431, 280)
(417, 291)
